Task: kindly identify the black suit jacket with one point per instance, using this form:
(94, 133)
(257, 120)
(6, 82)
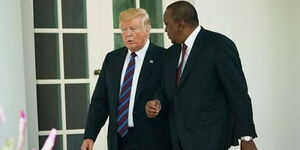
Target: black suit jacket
(210, 109)
(152, 133)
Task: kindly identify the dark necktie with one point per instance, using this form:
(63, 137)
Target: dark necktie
(180, 67)
(124, 98)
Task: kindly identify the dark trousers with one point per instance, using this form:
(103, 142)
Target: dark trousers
(177, 145)
(129, 141)
(180, 145)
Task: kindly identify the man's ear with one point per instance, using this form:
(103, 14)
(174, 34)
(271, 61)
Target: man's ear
(181, 24)
(148, 29)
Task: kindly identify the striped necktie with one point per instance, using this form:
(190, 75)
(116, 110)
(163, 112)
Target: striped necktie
(124, 98)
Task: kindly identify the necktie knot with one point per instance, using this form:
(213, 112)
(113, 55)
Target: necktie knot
(183, 47)
(133, 54)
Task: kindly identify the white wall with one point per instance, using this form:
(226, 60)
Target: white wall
(12, 87)
(267, 35)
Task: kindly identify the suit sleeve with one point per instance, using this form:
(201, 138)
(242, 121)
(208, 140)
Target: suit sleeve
(230, 72)
(160, 92)
(98, 109)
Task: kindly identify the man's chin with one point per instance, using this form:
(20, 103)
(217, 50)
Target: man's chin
(172, 40)
(129, 46)
(133, 49)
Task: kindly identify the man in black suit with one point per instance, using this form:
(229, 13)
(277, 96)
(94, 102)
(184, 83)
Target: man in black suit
(203, 82)
(128, 79)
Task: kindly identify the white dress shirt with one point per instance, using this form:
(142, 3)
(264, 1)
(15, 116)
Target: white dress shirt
(189, 42)
(140, 55)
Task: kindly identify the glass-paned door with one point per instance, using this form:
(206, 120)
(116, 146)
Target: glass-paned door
(72, 38)
(62, 69)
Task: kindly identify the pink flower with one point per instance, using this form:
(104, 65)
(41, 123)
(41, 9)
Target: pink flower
(50, 140)
(22, 128)
(2, 115)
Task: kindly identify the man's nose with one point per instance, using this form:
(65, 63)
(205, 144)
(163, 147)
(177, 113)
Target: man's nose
(127, 32)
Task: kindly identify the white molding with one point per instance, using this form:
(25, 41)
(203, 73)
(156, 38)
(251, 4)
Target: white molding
(153, 30)
(61, 132)
(51, 30)
(137, 2)
(63, 81)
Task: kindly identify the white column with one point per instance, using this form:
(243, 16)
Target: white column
(12, 87)
(30, 72)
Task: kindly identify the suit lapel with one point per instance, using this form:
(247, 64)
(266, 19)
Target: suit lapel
(117, 69)
(192, 57)
(147, 66)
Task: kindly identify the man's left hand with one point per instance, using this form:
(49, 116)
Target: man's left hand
(248, 145)
(152, 108)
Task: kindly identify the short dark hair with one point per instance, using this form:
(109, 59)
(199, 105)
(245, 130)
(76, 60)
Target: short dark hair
(185, 11)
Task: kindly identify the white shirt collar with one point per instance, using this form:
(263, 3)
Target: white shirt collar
(192, 37)
(142, 52)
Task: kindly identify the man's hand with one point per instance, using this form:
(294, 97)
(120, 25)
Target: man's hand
(87, 144)
(250, 145)
(152, 108)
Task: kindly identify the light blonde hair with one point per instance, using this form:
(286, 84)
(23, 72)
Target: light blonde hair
(136, 12)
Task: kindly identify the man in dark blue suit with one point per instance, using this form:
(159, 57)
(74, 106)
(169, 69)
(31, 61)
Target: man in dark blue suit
(129, 78)
(204, 85)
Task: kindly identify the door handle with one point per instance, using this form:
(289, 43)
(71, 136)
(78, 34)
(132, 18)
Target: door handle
(97, 72)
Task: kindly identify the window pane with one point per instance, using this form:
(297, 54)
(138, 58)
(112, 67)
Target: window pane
(157, 39)
(75, 56)
(58, 145)
(77, 102)
(154, 9)
(118, 7)
(47, 56)
(49, 106)
(45, 13)
(74, 141)
(118, 40)
(74, 13)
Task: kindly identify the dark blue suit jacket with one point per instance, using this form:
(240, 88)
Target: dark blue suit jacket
(153, 134)
(211, 108)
